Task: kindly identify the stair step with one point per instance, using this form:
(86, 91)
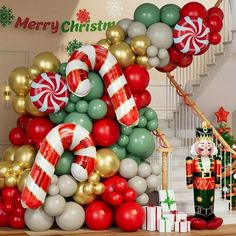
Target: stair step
(181, 151)
(163, 124)
(177, 161)
(175, 142)
(169, 133)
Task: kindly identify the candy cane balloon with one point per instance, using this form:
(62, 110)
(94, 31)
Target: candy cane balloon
(95, 57)
(63, 137)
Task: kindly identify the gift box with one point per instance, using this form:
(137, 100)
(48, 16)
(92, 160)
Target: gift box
(182, 226)
(164, 225)
(152, 216)
(174, 216)
(167, 200)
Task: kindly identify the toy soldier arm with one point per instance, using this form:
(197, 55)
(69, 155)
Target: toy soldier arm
(217, 170)
(189, 170)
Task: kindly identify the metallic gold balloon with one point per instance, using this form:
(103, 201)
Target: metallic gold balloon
(139, 44)
(47, 62)
(104, 43)
(123, 54)
(4, 168)
(94, 178)
(89, 188)
(30, 108)
(8, 154)
(10, 180)
(22, 179)
(107, 163)
(34, 71)
(143, 61)
(25, 156)
(19, 79)
(2, 183)
(99, 188)
(115, 34)
(18, 104)
(81, 197)
(16, 169)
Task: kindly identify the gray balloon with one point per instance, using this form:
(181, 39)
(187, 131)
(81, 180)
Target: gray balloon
(144, 170)
(164, 62)
(128, 168)
(156, 169)
(152, 181)
(67, 185)
(54, 179)
(38, 220)
(160, 35)
(124, 23)
(138, 184)
(154, 61)
(72, 218)
(54, 205)
(53, 190)
(135, 29)
(152, 51)
(163, 53)
(128, 40)
(143, 199)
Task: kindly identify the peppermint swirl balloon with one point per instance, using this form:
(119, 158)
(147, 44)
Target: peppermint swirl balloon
(191, 35)
(49, 92)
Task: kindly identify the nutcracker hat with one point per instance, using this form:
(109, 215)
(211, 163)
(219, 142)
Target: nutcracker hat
(204, 133)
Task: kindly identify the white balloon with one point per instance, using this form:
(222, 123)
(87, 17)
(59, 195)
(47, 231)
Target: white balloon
(152, 51)
(54, 205)
(153, 181)
(138, 184)
(54, 179)
(154, 61)
(135, 29)
(144, 170)
(124, 23)
(163, 53)
(156, 169)
(67, 185)
(53, 190)
(143, 199)
(128, 168)
(164, 62)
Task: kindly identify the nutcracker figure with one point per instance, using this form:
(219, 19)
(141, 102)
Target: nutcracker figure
(203, 173)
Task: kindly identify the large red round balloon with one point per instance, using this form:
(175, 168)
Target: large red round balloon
(216, 11)
(168, 68)
(16, 136)
(24, 120)
(9, 193)
(214, 23)
(137, 77)
(185, 61)
(129, 216)
(215, 38)
(145, 98)
(175, 54)
(194, 10)
(106, 132)
(98, 216)
(110, 110)
(16, 222)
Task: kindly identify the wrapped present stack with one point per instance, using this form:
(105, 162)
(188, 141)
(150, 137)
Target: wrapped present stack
(165, 217)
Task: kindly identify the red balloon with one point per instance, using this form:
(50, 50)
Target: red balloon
(98, 216)
(214, 23)
(18, 122)
(185, 61)
(8, 207)
(175, 54)
(19, 211)
(130, 195)
(129, 216)
(16, 136)
(106, 132)
(168, 68)
(216, 11)
(27, 140)
(9, 193)
(3, 216)
(215, 38)
(145, 98)
(115, 199)
(24, 120)
(137, 77)
(137, 99)
(121, 185)
(109, 187)
(194, 10)
(16, 222)
(110, 110)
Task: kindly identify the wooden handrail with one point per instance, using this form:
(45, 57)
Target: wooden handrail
(217, 4)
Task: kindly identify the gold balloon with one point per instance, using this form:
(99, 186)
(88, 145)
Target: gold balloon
(8, 154)
(99, 188)
(88, 188)
(47, 62)
(25, 155)
(10, 180)
(22, 179)
(34, 71)
(143, 61)
(123, 53)
(94, 178)
(115, 34)
(18, 104)
(19, 79)
(139, 44)
(16, 169)
(81, 197)
(107, 163)
(104, 43)
(30, 108)
(2, 183)
(4, 168)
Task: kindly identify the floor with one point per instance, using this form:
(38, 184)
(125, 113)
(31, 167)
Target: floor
(227, 230)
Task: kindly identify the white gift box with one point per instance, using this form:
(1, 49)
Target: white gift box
(167, 200)
(164, 225)
(152, 216)
(174, 216)
(182, 226)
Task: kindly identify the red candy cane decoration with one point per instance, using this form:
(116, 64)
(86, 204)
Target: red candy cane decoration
(95, 57)
(63, 137)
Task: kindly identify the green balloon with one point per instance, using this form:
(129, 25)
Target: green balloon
(64, 164)
(135, 158)
(141, 111)
(58, 117)
(123, 140)
(74, 98)
(97, 87)
(97, 109)
(150, 114)
(152, 125)
(142, 122)
(141, 143)
(81, 106)
(70, 107)
(80, 119)
(62, 68)
(147, 14)
(119, 151)
(170, 14)
(126, 130)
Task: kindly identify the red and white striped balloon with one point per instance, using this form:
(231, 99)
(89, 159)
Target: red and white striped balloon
(191, 35)
(95, 57)
(63, 137)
